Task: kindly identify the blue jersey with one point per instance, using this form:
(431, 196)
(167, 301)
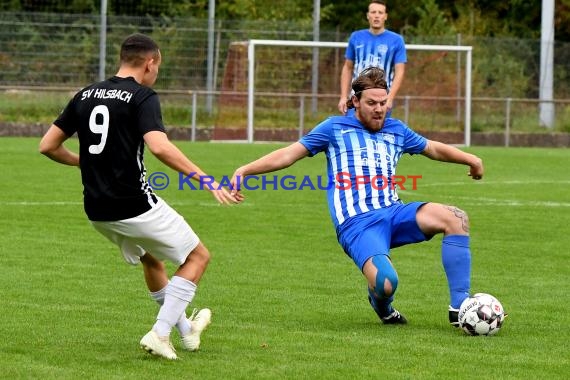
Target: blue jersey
(361, 165)
(383, 50)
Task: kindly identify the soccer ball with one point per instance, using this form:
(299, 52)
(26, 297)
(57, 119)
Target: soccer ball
(481, 314)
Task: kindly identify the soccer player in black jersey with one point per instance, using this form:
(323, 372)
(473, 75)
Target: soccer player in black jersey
(114, 120)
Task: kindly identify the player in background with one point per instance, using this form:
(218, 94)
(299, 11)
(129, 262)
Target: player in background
(114, 120)
(378, 47)
(369, 217)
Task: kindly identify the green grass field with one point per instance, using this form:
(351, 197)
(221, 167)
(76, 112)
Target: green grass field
(287, 303)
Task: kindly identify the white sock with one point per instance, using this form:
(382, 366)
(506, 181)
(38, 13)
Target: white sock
(178, 294)
(183, 326)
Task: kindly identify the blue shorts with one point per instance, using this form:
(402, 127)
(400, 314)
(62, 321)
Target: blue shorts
(375, 232)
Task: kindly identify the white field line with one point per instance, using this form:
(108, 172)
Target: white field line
(419, 184)
(485, 182)
(55, 203)
(469, 200)
(509, 202)
(47, 203)
(495, 201)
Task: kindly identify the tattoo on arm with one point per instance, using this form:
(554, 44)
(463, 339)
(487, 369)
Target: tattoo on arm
(461, 215)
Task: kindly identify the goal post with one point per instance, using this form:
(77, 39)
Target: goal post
(318, 44)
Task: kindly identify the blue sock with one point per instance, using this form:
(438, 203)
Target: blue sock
(456, 259)
(382, 306)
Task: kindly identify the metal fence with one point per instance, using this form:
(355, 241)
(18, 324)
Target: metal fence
(63, 51)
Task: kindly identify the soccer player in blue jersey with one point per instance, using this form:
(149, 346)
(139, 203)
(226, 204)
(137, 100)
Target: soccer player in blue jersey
(375, 46)
(368, 215)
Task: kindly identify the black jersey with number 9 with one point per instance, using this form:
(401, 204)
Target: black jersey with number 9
(110, 119)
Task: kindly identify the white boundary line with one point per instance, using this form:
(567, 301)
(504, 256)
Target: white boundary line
(470, 200)
(501, 202)
(56, 203)
(486, 182)
(33, 203)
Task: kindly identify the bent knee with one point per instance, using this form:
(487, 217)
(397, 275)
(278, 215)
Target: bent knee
(457, 221)
(389, 283)
(386, 277)
(201, 254)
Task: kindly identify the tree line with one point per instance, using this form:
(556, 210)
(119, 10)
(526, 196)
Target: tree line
(487, 18)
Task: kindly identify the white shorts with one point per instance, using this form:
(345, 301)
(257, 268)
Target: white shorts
(160, 231)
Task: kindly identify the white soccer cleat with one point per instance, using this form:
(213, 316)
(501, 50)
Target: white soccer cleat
(199, 320)
(159, 346)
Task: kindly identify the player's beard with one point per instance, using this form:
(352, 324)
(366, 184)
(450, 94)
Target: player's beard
(374, 122)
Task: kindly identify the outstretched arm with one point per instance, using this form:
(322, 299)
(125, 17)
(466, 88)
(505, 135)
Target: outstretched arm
(399, 72)
(345, 79)
(159, 145)
(51, 145)
(278, 159)
(447, 153)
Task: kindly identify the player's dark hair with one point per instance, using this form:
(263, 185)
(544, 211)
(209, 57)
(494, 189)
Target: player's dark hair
(379, 2)
(136, 48)
(372, 77)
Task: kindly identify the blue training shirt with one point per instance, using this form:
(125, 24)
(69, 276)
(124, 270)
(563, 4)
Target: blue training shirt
(383, 50)
(361, 165)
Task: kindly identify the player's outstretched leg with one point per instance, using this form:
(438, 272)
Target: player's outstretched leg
(456, 259)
